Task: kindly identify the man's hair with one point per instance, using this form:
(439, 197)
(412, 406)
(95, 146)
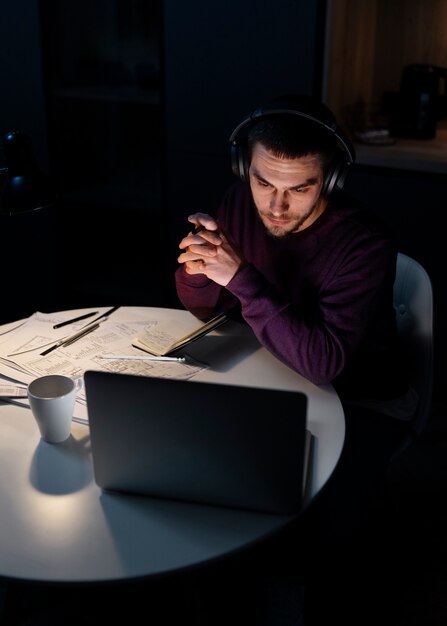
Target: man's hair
(290, 136)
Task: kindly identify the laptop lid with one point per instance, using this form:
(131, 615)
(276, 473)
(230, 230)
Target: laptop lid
(219, 444)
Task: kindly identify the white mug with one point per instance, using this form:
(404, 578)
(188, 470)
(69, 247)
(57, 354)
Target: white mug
(52, 400)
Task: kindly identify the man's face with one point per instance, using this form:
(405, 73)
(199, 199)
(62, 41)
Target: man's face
(286, 192)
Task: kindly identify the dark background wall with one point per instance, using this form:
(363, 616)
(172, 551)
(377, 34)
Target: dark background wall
(218, 60)
(22, 98)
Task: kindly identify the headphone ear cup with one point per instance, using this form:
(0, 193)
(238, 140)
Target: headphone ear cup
(335, 175)
(239, 160)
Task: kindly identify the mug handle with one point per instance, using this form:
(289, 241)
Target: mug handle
(79, 382)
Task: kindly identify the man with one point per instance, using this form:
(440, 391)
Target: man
(312, 272)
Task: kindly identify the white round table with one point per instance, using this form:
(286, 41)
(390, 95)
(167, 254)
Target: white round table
(56, 525)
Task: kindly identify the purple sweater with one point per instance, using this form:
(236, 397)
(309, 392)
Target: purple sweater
(320, 300)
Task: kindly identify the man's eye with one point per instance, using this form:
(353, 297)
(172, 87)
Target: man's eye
(262, 183)
(301, 189)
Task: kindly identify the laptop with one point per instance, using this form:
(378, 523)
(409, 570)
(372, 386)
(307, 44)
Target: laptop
(219, 444)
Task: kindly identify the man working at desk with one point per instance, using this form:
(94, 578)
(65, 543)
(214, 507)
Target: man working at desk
(312, 273)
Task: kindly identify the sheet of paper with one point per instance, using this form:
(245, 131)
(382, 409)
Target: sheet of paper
(21, 360)
(12, 391)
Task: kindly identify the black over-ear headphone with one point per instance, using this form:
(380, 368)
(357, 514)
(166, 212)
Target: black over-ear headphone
(306, 108)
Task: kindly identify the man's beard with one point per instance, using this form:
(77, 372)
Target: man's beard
(278, 232)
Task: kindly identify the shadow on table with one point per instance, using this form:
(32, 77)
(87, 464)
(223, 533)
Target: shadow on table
(187, 533)
(222, 353)
(58, 469)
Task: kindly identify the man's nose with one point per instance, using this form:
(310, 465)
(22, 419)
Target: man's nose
(278, 203)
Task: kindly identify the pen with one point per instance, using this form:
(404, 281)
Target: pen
(105, 314)
(79, 335)
(123, 357)
(84, 331)
(67, 341)
(198, 229)
(75, 319)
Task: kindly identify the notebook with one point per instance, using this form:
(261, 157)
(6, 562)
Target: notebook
(226, 445)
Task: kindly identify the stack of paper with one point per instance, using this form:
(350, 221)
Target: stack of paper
(22, 345)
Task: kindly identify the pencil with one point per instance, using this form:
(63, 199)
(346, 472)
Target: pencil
(75, 319)
(105, 314)
(68, 340)
(79, 335)
(84, 330)
(123, 357)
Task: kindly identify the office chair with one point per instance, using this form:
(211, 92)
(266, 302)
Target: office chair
(413, 301)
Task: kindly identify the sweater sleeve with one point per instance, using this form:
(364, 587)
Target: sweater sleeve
(319, 341)
(201, 296)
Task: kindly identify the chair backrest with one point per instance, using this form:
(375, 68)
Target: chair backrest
(413, 301)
